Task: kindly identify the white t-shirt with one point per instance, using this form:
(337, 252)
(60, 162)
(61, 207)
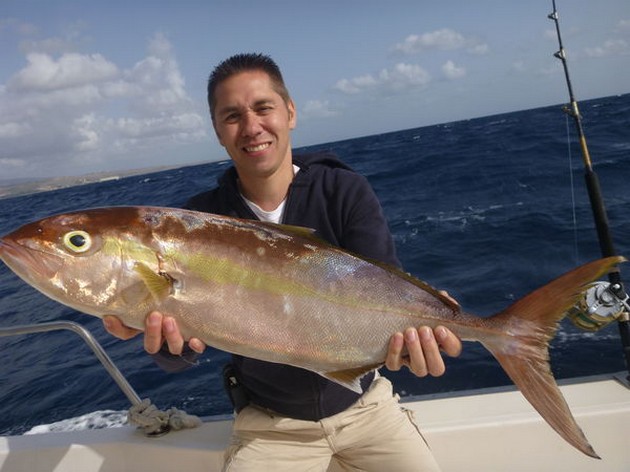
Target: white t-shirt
(273, 216)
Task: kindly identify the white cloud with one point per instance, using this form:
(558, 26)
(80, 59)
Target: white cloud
(623, 25)
(77, 109)
(404, 76)
(451, 71)
(44, 73)
(87, 138)
(479, 49)
(357, 84)
(13, 130)
(612, 47)
(444, 39)
(12, 163)
(177, 126)
(401, 77)
(318, 109)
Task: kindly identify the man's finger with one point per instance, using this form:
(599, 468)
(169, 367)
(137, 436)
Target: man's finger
(418, 363)
(197, 345)
(449, 343)
(393, 361)
(172, 335)
(432, 356)
(116, 328)
(153, 339)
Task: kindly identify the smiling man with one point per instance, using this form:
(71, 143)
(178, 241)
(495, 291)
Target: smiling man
(289, 418)
(253, 122)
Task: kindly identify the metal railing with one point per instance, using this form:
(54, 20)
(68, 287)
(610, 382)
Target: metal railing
(98, 350)
(142, 413)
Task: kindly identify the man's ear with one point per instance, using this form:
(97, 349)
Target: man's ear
(292, 114)
(216, 132)
(219, 138)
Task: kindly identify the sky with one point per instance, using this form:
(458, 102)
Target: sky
(91, 86)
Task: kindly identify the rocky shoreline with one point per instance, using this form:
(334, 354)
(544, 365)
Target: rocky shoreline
(15, 189)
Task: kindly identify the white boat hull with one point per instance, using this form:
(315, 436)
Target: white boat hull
(481, 431)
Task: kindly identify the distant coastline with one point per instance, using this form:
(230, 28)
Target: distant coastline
(21, 187)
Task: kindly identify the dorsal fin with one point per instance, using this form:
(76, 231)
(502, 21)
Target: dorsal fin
(417, 282)
(292, 229)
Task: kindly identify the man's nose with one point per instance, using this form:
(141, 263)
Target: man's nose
(251, 124)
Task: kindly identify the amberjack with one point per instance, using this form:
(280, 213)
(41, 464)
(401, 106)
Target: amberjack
(280, 294)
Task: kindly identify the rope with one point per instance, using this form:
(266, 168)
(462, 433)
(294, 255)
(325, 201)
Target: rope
(156, 422)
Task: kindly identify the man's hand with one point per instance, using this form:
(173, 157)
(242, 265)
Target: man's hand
(423, 347)
(116, 328)
(158, 329)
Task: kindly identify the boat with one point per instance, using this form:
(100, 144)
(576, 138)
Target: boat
(491, 429)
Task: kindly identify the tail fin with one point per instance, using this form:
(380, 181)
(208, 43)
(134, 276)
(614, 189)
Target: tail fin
(529, 324)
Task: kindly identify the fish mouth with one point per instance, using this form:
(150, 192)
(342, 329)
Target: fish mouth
(27, 262)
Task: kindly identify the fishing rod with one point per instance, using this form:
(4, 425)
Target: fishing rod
(604, 302)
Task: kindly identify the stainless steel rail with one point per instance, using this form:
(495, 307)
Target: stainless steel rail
(98, 350)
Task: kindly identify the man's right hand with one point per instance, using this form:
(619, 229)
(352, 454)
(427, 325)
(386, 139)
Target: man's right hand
(158, 329)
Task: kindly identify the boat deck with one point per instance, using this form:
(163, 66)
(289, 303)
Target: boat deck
(477, 431)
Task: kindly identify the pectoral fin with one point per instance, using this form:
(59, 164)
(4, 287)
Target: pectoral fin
(159, 284)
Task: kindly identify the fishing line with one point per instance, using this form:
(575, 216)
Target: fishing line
(576, 254)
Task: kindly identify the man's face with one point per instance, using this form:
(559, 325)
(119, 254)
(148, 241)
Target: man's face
(253, 123)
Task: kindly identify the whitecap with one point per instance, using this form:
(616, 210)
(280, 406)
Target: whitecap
(95, 420)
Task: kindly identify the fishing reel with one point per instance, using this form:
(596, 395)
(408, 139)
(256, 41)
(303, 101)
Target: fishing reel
(601, 304)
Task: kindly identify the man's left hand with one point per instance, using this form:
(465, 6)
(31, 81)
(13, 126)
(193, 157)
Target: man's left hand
(423, 347)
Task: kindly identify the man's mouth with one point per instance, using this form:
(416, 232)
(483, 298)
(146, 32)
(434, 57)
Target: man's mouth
(257, 147)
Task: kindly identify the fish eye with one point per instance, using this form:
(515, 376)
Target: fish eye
(77, 241)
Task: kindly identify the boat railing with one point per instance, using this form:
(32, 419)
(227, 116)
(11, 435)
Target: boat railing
(142, 413)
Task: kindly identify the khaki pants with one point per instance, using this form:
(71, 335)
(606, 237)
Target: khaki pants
(374, 435)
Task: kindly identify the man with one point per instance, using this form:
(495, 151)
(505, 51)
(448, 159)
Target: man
(293, 419)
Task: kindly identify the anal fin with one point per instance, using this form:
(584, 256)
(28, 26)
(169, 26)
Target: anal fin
(350, 378)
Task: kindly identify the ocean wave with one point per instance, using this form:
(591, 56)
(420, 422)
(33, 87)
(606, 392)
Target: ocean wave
(95, 420)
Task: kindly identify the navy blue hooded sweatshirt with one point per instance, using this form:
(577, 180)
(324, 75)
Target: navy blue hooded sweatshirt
(342, 208)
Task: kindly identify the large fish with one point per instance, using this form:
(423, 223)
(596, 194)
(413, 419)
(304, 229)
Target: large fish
(279, 294)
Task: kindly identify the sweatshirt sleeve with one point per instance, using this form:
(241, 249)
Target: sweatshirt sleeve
(365, 228)
(173, 363)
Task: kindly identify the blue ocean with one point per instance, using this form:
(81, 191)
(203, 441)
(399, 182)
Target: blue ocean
(487, 209)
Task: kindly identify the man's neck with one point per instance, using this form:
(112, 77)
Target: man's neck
(268, 192)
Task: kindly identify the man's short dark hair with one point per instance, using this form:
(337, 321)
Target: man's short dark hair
(246, 63)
